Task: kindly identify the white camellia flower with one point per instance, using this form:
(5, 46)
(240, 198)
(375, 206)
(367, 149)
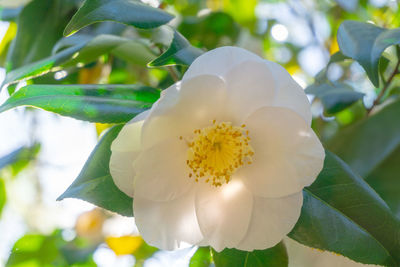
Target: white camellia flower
(222, 157)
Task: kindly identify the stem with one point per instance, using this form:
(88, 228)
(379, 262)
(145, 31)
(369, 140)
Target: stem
(385, 87)
(173, 73)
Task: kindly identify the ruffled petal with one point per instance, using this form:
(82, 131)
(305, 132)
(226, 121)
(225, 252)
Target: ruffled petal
(219, 61)
(271, 220)
(289, 94)
(189, 105)
(223, 213)
(288, 155)
(124, 150)
(168, 225)
(161, 171)
(251, 85)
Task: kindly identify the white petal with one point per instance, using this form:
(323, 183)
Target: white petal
(161, 171)
(271, 220)
(288, 155)
(129, 137)
(124, 150)
(223, 213)
(168, 225)
(189, 105)
(122, 171)
(289, 93)
(251, 85)
(219, 61)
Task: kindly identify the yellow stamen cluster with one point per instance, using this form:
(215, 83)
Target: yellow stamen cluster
(217, 151)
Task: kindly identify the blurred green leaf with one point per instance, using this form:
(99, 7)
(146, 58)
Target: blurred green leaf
(129, 12)
(213, 30)
(348, 5)
(3, 195)
(40, 25)
(365, 43)
(201, 258)
(343, 214)
(275, 256)
(335, 96)
(94, 184)
(9, 14)
(180, 52)
(19, 158)
(95, 103)
(36, 250)
(144, 252)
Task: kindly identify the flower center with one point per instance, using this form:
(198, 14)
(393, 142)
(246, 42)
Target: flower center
(217, 151)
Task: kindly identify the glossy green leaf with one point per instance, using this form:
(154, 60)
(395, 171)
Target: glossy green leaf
(201, 258)
(94, 184)
(40, 25)
(3, 196)
(130, 12)
(180, 52)
(343, 214)
(95, 103)
(365, 43)
(83, 49)
(40, 67)
(385, 180)
(334, 97)
(275, 256)
(369, 142)
(372, 148)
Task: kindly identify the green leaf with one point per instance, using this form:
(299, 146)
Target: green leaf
(94, 184)
(40, 25)
(19, 158)
(365, 43)
(9, 14)
(3, 195)
(129, 12)
(180, 52)
(275, 256)
(372, 148)
(40, 67)
(385, 180)
(95, 103)
(210, 31)
(341, 213)
(84, 49)
(369, 142)
(201, 258)
(334, 97)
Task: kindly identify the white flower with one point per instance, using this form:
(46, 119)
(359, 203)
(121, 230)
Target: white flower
(222, 158)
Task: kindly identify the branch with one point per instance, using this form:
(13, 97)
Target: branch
(385, 87)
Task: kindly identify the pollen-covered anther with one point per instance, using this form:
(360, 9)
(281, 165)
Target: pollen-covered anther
(217, 151)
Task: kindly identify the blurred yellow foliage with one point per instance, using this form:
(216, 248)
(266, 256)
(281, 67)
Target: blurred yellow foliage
(124, 245)
(10, 34)
(90, 224)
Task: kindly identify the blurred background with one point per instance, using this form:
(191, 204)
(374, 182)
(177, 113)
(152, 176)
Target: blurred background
(42, 153)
